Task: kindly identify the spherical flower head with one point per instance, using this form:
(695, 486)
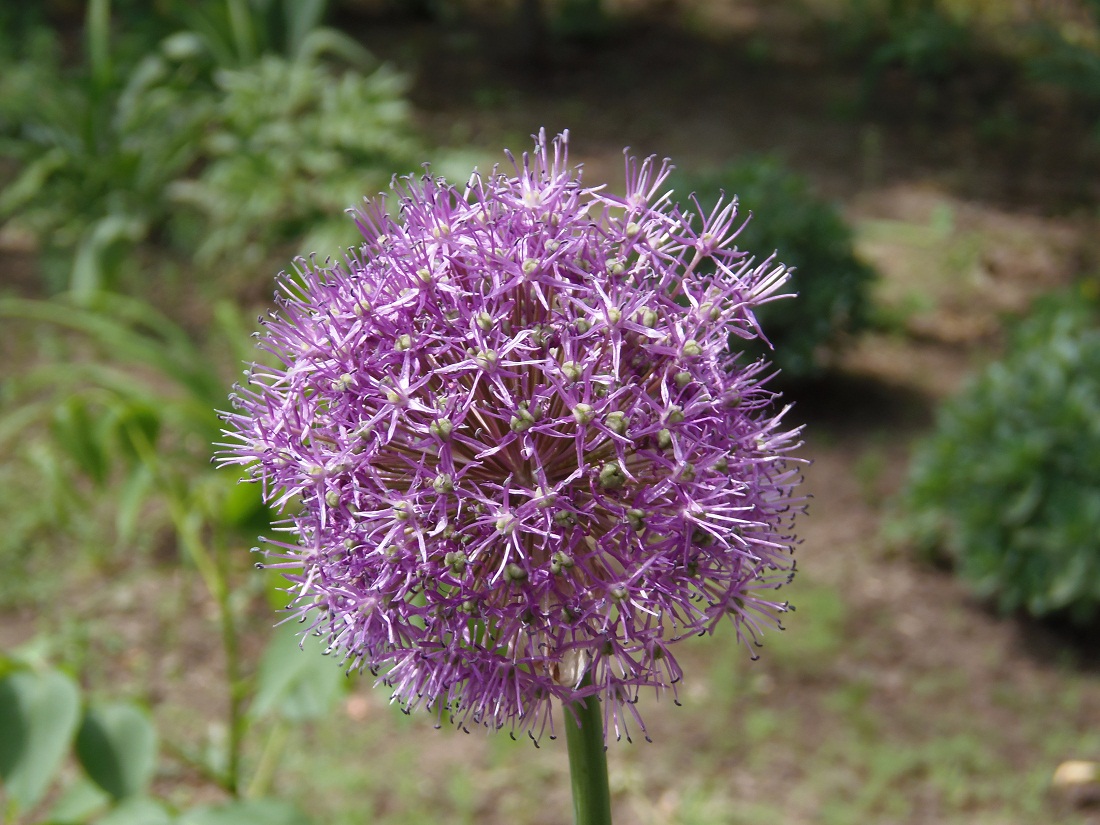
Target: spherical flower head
(521, 462)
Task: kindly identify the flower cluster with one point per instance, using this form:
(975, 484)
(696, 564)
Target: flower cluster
(521, 460)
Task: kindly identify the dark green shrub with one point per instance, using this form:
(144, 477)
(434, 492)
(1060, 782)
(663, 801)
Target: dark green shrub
(1008, 487)
(806, 233)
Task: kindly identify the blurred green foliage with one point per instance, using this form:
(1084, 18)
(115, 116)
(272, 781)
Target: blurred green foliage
(241, 136)
(919, 36)
(1070, 64)
(47, 720)
(832, 283)
(1008, 487)
(288, 148)
(129, 405)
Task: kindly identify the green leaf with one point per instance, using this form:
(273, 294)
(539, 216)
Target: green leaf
(92, 267)
(133, 494)
(137, 810)
(38, 716)
(248, 812)
(79, 802)
(79, 436)
(117, 747)
(297, 682)
(31, 181)
(241, 504)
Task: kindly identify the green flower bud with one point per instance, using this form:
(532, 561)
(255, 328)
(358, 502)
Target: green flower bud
(456, 561)
(544, 498)
(616, 422)
(572, 370)
(522, 421)
(486, 358)
(560, 561)
(612, 476)
(563, 518)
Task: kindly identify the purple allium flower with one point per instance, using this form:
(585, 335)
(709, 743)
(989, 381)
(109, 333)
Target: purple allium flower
(517, 447)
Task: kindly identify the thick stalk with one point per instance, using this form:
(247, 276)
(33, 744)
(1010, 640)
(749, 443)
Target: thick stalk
(588, 762)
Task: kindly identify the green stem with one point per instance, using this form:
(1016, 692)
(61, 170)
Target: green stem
(262, 779)
(213, 570)
(240, 24)
(98, 27)
(588, 762)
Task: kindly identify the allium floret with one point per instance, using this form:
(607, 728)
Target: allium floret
(521, 462)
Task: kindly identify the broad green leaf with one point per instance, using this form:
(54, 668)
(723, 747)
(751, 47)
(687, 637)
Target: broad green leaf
(297, 682)
(137, 810)
(38, 716)
(117, 747)
(79, 802)
(247, 812)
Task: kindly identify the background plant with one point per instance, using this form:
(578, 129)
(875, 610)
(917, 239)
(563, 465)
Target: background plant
(249, 131)
(94, 149)
(1071, 63)
(289, 146)
(129, 402)
(48, 722)
(1008, 487)
(807, 233)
